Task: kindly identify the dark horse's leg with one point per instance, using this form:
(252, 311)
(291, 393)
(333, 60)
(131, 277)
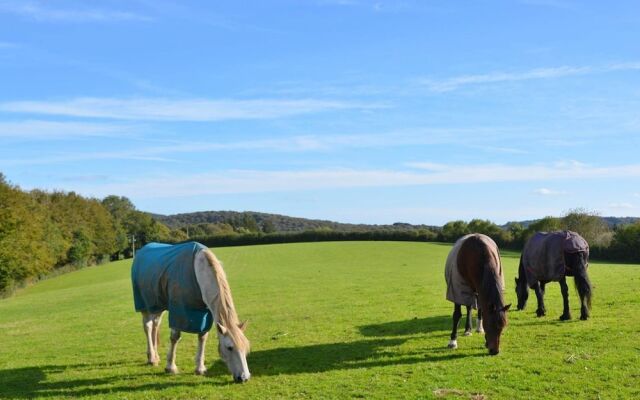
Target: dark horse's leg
(566, 313)
(584, 290)
(469, 325)
(457, 314)
(577, 263)
(539, 289)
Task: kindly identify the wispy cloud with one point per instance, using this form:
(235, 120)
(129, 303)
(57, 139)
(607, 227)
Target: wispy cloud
(45, 13)
(163, 109)
(621, 206)
(251, 181)
(8, 45)
(450, 84)
(563, 4)
(287, 144)
(38, 129)
(549, 192)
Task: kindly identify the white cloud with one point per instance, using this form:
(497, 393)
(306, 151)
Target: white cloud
(621, 206)
(548, 192)
(38, 129)
(449, 84)
(39, 12)
(294, 144)
(162, 109)
(250, 181)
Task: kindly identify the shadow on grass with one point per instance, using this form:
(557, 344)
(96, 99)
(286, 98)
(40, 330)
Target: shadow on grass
(340, 356)
(31, 382)
(412, 326)
(50, 380)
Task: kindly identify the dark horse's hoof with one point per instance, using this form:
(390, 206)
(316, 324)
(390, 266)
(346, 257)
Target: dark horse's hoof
(584, 317)
(540, 313)
(565, 317)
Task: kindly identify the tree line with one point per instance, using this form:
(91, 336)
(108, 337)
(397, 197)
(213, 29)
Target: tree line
(52, 232)
(43, 232)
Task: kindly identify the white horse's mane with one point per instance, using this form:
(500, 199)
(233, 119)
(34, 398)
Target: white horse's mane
(225, 309)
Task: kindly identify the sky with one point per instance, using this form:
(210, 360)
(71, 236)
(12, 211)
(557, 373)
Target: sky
(349, 110)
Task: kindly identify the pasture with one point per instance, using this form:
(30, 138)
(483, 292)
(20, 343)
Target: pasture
(326, 320)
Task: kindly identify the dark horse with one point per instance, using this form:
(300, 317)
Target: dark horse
(550, 257)
(474, 278)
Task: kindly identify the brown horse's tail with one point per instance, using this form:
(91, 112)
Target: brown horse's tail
(583, 284)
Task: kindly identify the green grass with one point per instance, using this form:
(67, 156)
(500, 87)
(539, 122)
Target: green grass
(327, 320)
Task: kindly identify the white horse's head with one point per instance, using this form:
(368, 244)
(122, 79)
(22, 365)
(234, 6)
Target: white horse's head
(233, 347)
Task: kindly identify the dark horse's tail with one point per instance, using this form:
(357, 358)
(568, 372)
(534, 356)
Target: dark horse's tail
(583, 284)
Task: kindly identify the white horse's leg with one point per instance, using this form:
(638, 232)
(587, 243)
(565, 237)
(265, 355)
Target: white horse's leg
(202, 341)
(147, 324)
(171, 356)
(155, 334)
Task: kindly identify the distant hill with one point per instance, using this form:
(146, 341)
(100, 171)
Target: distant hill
(281, 223)
(611, 221)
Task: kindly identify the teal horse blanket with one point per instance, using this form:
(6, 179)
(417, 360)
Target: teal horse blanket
(163, 278)
(543, 255)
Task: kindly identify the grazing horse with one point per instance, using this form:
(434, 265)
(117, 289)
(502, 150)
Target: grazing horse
(188, 280)
(474, 278)
(550, 257)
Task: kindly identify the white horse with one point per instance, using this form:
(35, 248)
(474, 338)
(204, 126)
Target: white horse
(188, 281)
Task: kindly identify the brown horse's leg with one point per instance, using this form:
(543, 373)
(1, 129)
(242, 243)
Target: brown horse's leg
(468, 325)
(539, 289)
(564, 289)
(457, 314)
(479, 327)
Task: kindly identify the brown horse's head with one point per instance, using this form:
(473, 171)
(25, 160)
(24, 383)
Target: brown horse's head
(494, 319)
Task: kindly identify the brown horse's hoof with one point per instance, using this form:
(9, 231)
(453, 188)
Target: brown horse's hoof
(468, 333)
(540, 313)
(584, 317)
(564, 317)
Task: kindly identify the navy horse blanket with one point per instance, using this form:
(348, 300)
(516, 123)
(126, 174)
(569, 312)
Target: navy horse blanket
(543, 255)
(163, 278)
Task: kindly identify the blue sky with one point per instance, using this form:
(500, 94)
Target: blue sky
(349, 110)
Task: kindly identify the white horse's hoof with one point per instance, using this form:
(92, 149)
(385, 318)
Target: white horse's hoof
(171, 370)
(201, 371)
(153, 363)
(453, 344)
(467, 333)
(480, 330)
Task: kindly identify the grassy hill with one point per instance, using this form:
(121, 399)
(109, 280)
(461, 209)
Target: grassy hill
(327, 320)
(281, 223)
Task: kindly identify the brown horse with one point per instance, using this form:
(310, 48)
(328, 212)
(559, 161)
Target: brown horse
(474, 278)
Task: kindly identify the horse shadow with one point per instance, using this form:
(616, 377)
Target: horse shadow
(413, 326)
(32, 381)
(338, 356)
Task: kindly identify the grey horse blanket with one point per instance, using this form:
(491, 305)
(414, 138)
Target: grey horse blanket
(543, 255)
(458, 290)
(163, 278)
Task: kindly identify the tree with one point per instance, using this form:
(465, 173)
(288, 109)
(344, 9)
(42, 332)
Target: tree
(268, 226)
(589, 225)
(453, 230)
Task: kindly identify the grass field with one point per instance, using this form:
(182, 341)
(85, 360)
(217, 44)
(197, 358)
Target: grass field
(327, 320)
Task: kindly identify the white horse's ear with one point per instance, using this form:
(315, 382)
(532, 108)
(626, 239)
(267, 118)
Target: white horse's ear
(243, 325)
(221, 329)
